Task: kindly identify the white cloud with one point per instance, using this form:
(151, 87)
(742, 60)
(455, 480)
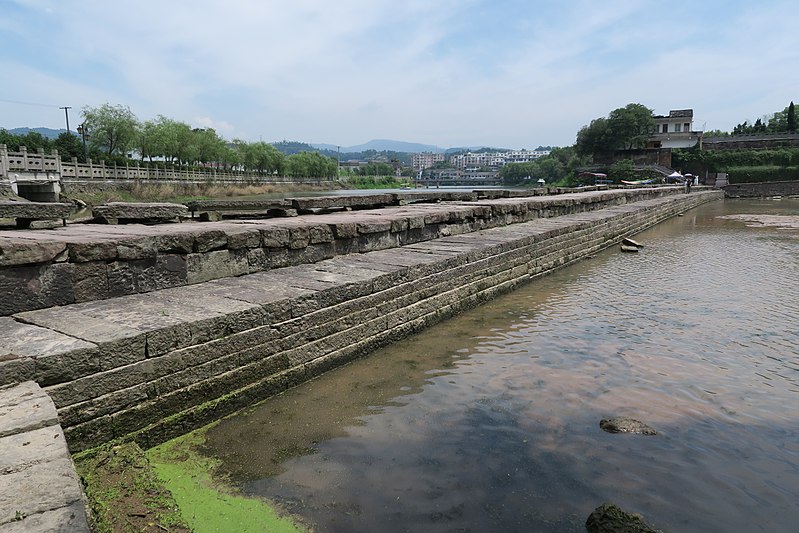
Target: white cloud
(349, 71)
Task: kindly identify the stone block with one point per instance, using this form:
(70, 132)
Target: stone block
(35, 287)
(114, 212)
(244, 238)
(68, 519)
(320, 234)
(26, 252)
(209, 240)
(25, 407)
(215, 265)
(299, 237)
(344, 230)
(275, 237)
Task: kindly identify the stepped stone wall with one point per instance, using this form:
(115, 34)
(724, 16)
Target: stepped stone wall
(760, 190)
(152, 366)
(62, 266)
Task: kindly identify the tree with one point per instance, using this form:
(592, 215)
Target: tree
(791, 119)
(625, 128)
(112, 129)
(69, 146)
(623, 169)
(631, 125)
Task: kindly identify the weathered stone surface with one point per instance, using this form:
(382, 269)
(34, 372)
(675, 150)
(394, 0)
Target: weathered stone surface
(35, 287)
(215, 265)
(69, 519)
(129, 211)
(56, 356)
(38, 489)
(34, 210)
(275, 237)
(25, 407)
(24, 252)
(238, 205)
(610, 518)
(623, 424)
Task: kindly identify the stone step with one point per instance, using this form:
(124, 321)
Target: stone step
(39, 488)
(83, 263)
(149, 366)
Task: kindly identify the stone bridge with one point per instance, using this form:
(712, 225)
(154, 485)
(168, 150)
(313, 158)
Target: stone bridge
(147, 332)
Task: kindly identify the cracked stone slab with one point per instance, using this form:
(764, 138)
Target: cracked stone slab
(25, 407)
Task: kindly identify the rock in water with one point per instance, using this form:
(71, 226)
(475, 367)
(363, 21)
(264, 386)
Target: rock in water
(629, 249)
(609, 518)
(622, 424)
(629, 242)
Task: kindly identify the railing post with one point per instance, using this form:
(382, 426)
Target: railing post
(3, 160)
(24, 151)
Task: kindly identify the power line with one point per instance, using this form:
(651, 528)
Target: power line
(28, 103)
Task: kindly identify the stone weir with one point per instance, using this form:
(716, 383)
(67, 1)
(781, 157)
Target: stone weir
(151, 366)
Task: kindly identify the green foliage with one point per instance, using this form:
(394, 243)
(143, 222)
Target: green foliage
(310, 164)
(791, 118)
(32, 141)
(723, 160)
(375, 169)
(625, 128)
(375, 182)
(557, 167)
(757, 174)
(69, 146)
(112, 129)
(623, 169)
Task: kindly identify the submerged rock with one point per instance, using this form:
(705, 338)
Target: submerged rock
(609, 518)
(622, 424)
(629, 249)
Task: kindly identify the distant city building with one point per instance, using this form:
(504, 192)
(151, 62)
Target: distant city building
(475, 161)
(426, 160)
(674, 130)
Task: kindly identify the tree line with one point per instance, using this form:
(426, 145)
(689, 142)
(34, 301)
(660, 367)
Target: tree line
(114, 134)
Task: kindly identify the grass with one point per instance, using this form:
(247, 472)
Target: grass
(125, 494)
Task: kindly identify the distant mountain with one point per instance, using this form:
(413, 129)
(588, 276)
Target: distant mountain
(45, 132)
(383, 145)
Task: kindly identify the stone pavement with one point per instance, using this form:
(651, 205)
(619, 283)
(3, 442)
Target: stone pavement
(39, 488)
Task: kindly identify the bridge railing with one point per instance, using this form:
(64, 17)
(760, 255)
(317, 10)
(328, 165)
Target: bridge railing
(30, 162)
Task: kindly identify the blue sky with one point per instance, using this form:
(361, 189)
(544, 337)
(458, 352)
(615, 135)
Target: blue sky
(508, 73)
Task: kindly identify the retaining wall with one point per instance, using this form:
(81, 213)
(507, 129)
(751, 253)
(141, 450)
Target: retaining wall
(152, 366)
(81, 263)
(760, 190)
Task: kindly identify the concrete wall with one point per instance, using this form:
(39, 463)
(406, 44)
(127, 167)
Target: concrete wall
(152, 366)
(766, 189)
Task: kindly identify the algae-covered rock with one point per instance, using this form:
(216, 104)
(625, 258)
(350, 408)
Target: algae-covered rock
(622, 424)
(610, 518)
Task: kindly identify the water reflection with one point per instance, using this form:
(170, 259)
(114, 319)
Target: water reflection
(489, 422)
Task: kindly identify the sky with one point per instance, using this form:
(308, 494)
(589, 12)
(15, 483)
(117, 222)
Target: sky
(500, 73)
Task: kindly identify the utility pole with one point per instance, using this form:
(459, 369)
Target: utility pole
(66, 109)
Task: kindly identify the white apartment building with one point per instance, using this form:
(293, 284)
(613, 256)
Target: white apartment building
(426, 160)
(469, 160)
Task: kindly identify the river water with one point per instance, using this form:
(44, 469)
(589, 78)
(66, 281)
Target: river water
(490, 421)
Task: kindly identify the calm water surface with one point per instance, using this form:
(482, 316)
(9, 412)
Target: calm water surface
(490, 421)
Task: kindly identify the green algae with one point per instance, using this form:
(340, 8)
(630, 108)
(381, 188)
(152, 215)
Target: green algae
(208, 505)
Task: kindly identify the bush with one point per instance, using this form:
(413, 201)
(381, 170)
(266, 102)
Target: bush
(757, 174)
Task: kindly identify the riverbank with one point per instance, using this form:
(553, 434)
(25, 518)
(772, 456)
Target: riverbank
(148, 367)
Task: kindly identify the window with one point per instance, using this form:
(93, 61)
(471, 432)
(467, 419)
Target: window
(686, 127)
(665, 128)
(677, 128)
